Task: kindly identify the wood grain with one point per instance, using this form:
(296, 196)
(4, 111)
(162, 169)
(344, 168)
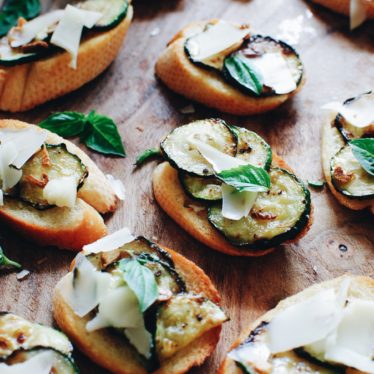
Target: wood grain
(338, 64)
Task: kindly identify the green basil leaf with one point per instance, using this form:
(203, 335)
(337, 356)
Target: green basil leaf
(12, 10)
(147, 155)
(317, 184)
(6, 263)
(104, 136)
(142, 282)
(65, 124)
(246, 178)
(363, 150)
(241, 70)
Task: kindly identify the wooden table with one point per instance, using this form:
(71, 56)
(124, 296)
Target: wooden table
(338, 64)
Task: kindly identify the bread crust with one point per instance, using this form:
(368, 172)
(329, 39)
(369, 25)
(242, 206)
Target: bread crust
(208, 87)
(354, 204)
(361, 287)
(23, 87)
(76, 227)
(343, 6)
(172, 198)
(115, 355)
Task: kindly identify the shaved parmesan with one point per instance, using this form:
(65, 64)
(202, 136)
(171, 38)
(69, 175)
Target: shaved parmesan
(83, 288)
(41, 363)
(119, 308)
(34, 29)
(358, 13)
(69, 30)
(110, 242)
(304, 323)
(219, 160)
(117, 185)
(61, 192)
(275, 72)
(9, 175)
(141, 339)
(359, 113)
(235, 204)
(354, 337)
(217, 38)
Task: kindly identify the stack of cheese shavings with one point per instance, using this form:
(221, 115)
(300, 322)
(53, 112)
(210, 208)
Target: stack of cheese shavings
(329, 325)
(223, 38)
(235, 204)
(67, 26)
(117, 304)
(16, 148)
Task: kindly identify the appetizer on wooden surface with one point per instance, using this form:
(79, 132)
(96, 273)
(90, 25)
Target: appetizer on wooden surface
(134, 307)
(348, 151)
(60, 51)
(51, 191)
(32, 348)
(223, 185)
(325, 329)
(358, 10)
(226, 67)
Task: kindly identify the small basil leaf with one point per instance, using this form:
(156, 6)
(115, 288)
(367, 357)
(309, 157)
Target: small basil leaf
(241, 70)
(317, 184)
(147, 155)
(363, 150)
(246, 178)
(104, 137)
(12, 10)
(142, 282)
(6, 263)
(65, 124)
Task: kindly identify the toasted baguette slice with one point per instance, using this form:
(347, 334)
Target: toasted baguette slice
(208, 87)
(114, 354)
(23, 87)
(360, 287)
(328, 151)
(343, 6)
(171, 197)
(63, 227)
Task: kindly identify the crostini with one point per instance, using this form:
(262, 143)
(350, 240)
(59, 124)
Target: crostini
(224, 66)
(223, 185)
(27, 347)
(358, 10)
(60, 51)
(134, 307)
(347, 134)
(325, 329)
(51, 191)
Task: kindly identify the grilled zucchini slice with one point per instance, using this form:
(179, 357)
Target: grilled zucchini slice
(51, 162)
(348, 176)
(277, 215)
(157, 260)
(251, 148)
(207, 189)
(62, 364)
(258, 45)
(10, 56)
(114, 11)
(349, 131)
(178, 149)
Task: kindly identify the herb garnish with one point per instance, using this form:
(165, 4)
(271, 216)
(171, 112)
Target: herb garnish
(96, 131)
(363, 150)
(147, 155)
(12, 10)
(240, 69)
(141, 280)
(246, 178)
(6, 263)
